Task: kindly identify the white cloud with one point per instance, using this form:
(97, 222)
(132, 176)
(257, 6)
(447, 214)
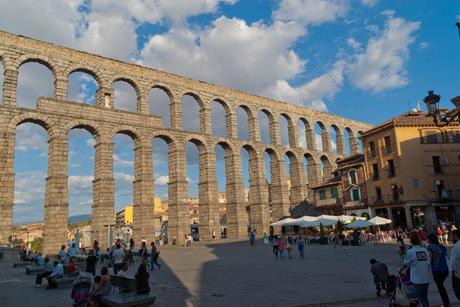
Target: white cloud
(353, 43)
(162, 180)
(311, 11)
(79, 183)
(29, 187)
(122, 163)
(313, 92)
(369, 3)
(423, 45)
(31, 137)
(382, 65)
(123, 177)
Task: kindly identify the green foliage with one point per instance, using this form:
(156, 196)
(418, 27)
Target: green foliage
(340, 228)
(272, 231)
(37, 245)
(321, 230)
(74, 226)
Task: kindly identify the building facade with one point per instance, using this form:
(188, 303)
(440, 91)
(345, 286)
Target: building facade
(412, 170)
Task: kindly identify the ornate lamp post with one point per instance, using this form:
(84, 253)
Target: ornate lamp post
(442, 117)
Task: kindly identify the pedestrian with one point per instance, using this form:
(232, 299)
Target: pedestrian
(289, 247)
(143, 253)
(275, 242)
(142, 280)
(417, 261)
(281, 246)
(46, 272)
(91, 261)
(439, 269)
(266, 241)
(380, 274)
(301, 247)
(455, 263)
(154, 253)
(117, 257)
(401, 249)
(252, 237)
(213, 234)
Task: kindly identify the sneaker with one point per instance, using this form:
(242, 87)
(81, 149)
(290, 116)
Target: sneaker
(38, 286)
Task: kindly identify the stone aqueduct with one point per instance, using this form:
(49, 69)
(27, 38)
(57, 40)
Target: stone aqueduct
(58, 116)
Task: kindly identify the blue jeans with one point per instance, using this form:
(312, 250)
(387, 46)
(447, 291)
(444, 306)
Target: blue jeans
(422, 294)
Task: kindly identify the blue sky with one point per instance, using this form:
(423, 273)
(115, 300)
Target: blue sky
(363, 59)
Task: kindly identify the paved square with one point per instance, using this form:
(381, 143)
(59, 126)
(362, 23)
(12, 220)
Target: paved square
(234, 274)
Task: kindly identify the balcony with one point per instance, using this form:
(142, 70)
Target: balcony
(375, 177)
(327, 202)
(388, 149)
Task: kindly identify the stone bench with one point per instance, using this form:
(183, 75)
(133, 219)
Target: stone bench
(65, 281)
(127, 295)
(18, 264)
(30, 269)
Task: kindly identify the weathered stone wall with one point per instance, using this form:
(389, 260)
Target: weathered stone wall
(58, 116)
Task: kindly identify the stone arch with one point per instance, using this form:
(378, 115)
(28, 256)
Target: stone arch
(30, 117)
(308, 137)
(291, 135)
(127, 130)
(352, 146)
(2, 77)
(79, 77)
(132, 107)
(92, 127)
(36, 58)
(93, 72)
(322, 137)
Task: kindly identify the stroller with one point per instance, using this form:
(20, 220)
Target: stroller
(81, 289)
(403, 293)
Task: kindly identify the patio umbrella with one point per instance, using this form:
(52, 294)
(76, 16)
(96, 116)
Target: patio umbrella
(326, 220)
(349, 218)
(300, 220)
(358, 224)
(283, 222)
(379, 221)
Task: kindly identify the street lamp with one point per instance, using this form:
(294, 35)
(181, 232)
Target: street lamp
(442, 117)
(458, 26)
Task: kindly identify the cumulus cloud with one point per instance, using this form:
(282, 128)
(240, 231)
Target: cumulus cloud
(423, 45)
(31, 137)
(369, 3)
(162, 180)
(382, 64)
(29, 187)
(121, 162)
(123, 177)
(311, 11)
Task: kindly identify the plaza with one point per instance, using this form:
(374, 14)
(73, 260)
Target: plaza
(234, 274)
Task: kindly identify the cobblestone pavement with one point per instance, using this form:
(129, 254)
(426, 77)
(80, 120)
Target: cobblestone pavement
(234, 274)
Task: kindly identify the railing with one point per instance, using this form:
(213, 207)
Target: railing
(355, 203)
(388, 149)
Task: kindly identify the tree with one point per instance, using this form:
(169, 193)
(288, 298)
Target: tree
(340, 228)
(37, 245)
(321, 230)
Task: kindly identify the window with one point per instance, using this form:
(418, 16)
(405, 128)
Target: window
(391, 169)
(436, 165)
(431, 137)
(372, 148)
(378, 194)
(388, 148)
(375, 171)
(395, 192)
(352, 177)
(355, 194)
(322, 194)
(415, 183)
(453, 136)
(334, 192)
(441, 190)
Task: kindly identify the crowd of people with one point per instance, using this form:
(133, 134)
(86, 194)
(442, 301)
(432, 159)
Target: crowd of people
(115, 261)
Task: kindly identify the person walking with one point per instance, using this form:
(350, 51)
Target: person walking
(154, 254)
(455, 263)
(439, 269)
(252, 237)
(281, 246)
(380, 274)
(289, 247)
(143, 252)
(275, 242)
(417, 261)
(91, 261)
(401, 249)
(301, 247)
(117, 257)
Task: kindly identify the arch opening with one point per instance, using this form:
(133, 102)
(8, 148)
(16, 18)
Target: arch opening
(242, 123)
(326, 168)
(218, 119)
(319, 134)
(348, 141)
(123, 170)
(125, 96)
(264, 126)
(31, 170)
(335, 138)
(159, 104)
(34, 80)
(2, 78)
(284, 130)
(82, 87)
(193, 179)
(190, 113)
(302, 133)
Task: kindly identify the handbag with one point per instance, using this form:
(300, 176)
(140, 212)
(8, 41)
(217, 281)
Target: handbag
(401, 298)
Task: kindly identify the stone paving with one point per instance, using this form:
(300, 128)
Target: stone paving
(234, 274)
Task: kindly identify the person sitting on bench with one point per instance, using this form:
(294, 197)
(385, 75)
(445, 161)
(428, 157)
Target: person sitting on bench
(142, 278)
(58, 272)
(48, 270)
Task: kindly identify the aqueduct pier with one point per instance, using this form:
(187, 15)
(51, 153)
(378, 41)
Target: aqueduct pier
(58, 116)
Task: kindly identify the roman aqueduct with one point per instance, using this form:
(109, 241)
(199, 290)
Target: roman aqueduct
(59, 116)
